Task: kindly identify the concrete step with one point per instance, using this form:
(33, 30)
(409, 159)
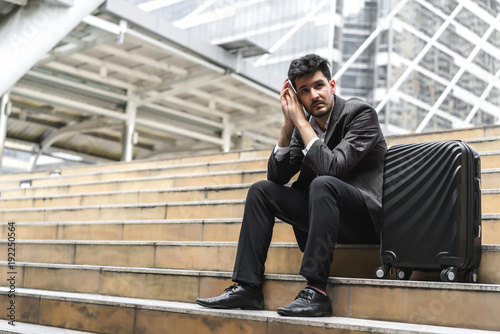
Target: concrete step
(216, 229)
(151, 283)
(411, 308)
(26, 328)
(490, 159)
(174, 210)
(480, 144)
(201, 193)
(490, 180)
(133, 173)
(484, 144)
(490, 199)
(201, 159)
(142, 230)
(490, 146)
(466, 134)
(283, 258)
(491, 229)
(129, 184)
(164, 210)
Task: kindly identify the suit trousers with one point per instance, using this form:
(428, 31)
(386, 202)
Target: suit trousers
(331, 212)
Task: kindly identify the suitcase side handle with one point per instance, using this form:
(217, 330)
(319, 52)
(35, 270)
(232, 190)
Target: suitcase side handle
(477, 213)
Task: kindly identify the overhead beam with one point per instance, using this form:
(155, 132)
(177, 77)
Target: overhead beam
(114, 115)
(67, 3)
(155, 65)
(71, 104)
(88, 75)
(182, 104)
(97, 37)
(226, 102)
(185, 84)
(32, 31)
(108, 65)
(18, 2)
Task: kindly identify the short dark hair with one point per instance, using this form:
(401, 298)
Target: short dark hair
(308, 64)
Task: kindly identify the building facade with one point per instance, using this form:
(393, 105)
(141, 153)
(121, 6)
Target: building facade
(433, 64)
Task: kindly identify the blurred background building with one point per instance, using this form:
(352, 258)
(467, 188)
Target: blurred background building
(428, 67)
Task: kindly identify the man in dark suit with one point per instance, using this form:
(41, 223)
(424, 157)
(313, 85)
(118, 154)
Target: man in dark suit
(339, 150)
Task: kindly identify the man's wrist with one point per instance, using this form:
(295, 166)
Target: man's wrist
(285, 135)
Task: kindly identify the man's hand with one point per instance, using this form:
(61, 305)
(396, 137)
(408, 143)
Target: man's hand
(288, 125)
(294, 117)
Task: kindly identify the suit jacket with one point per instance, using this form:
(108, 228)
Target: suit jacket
(353, 151)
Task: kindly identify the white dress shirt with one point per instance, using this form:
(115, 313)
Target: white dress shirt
(280, 152)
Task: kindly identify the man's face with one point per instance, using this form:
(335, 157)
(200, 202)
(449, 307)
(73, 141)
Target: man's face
(316, 93)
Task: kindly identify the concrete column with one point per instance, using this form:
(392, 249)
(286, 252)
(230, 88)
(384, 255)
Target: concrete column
(226, 134)
(5, 106)
(128, 138)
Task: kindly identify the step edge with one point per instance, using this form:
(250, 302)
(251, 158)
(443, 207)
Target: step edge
(27, 328)
(131, 205)
(332, 281)
(148, 178)
(262, 316)
(135, 222)
(484, 247)
(484, 216)
(174, 166)
(131, 192)
(20, 242)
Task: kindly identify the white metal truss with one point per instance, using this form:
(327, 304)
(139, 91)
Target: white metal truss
(381, 25)
(419, 57)
(292, 31)
(459, 73)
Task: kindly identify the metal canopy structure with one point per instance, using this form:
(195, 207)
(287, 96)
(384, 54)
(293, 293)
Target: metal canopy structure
(126, 85)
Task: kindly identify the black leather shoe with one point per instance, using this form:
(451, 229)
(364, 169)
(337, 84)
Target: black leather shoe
(235, 296)
(308, 303)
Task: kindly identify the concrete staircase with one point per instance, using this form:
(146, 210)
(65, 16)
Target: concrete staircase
(128, 247)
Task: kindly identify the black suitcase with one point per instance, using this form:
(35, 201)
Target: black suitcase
(431, 210)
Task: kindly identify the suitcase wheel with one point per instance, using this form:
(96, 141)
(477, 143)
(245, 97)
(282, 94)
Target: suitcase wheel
(471, 276)
(404, 274)
(449, 274)
(381, 272)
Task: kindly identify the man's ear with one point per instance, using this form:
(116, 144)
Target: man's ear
(333, 84)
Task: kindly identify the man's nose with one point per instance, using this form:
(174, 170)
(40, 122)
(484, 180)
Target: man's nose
(314, 94)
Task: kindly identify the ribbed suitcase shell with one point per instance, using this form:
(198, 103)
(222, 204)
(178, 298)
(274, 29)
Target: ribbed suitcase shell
(432, 207)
